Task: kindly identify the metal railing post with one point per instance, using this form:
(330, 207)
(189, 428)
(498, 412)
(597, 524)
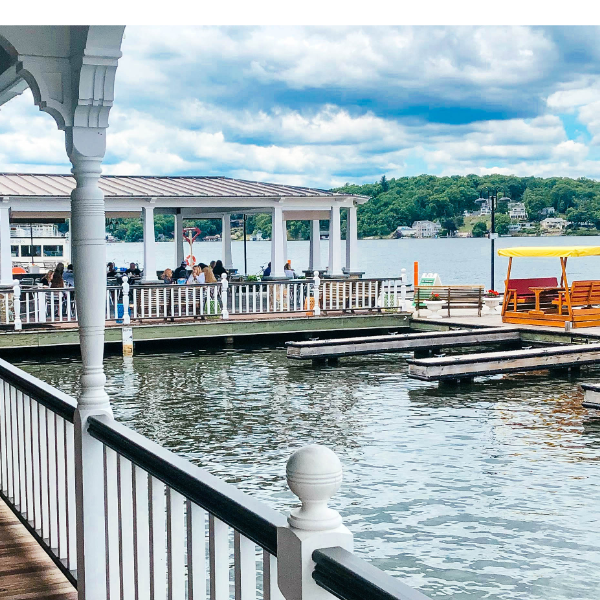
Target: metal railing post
(224, 288)
(314, 474)
(17, 304)
(316, 293)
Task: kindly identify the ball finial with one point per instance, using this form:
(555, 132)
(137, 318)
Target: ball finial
(314, 474)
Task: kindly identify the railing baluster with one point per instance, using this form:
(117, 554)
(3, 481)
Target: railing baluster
(111, 507)
(141, 533)
(70, 495)
(29, 512)
(244, 561)
(218, 546)
(126, 550)
(196, 551)
(175, 546)
(158, 565)
(61, 500)
(43, 466)
(20, 452)
(271, 590)
(3, 449)
(51, 463)
(10, 467)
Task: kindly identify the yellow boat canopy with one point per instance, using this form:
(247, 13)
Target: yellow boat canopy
(556, 251)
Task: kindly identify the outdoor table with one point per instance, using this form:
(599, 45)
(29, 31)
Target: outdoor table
(538, 292)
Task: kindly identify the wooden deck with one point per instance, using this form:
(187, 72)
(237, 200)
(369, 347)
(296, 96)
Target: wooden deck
(26, 571)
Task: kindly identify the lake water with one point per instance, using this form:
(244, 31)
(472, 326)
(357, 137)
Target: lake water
(485, 491)
(457, 260)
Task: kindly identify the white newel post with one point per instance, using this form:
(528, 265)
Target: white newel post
(17, 304)
(125, 286)
(314, 474)
(351, 241)
(277, 260)
(226, 241)
(314, 260)
(149, 245)
(335, 243)
(404, 279)
(317, 293)
(224, 288)
(6, 277)
(86, 147)
(178, 237)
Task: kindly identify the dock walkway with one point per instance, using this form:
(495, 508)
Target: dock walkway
(26, 571)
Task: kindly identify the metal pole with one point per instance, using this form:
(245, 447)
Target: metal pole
(245, 256)
(493, 202)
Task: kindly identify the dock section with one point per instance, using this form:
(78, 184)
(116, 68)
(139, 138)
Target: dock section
(592, 395)
(422, 342)
(468, 366)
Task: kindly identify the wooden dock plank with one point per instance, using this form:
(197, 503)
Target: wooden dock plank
(492, 363)
(26, 571)
(333, 348)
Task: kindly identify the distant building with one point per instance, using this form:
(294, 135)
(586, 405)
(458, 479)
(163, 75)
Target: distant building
(546, 212)
(553, 224)
(212, 238)
(517, 211)
(486, 207)
(514, 227)
(404, 231)
(426, 229)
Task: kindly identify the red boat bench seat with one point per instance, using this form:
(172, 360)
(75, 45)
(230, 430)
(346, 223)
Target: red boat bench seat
(518, 291)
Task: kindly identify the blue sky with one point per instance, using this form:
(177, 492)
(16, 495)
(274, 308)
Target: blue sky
(321, 106)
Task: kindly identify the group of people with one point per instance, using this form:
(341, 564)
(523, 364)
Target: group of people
(58, 277)
(200, 273)
(287, 270)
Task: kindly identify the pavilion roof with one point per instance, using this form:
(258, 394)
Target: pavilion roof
(115, 186)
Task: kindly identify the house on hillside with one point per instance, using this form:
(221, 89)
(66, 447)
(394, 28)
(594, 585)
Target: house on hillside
(553, 224)
(426, 229)
(548, 211)
(517, 211)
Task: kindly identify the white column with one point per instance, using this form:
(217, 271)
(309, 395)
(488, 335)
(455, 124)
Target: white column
(314, 261)
(149, 245)
(351, 241)
(6, 277)
(226, 241)
(277, 260)
(335, 242)
(178, 237)
(86, 147)
(284, 230)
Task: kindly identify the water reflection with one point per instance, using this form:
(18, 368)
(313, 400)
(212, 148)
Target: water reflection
(487, 490)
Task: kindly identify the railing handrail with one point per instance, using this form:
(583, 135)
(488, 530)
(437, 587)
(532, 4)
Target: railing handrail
(348, 577)
(52, 398)
(249, 516)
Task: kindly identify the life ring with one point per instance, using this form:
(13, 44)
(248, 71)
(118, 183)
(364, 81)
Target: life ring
(190, 260)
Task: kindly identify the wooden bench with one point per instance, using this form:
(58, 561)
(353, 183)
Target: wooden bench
(519, 292)
(453, 296)
(585, 294)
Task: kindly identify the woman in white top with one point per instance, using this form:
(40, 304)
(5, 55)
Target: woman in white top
(197, 276)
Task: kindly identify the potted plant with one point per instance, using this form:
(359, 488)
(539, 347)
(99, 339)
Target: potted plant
(491, 300)
(434, 304)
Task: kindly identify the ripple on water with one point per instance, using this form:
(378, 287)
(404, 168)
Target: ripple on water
(487, 491)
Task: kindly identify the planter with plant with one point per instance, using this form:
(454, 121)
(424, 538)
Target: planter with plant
(434, 304)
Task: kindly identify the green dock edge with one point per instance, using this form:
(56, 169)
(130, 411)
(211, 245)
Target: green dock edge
(209, 329)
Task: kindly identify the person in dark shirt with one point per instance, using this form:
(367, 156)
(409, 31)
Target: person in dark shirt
(267, 271)
(110, 270)
(180, 272)
(219, 269)
(133, 271)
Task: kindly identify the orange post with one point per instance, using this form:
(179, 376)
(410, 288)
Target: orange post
(416, 274)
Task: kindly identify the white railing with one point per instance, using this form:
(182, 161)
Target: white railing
(162, 527)
(311, 297)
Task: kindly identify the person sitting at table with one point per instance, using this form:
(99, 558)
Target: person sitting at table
(68, 277)
(110, 270)
(47, 278)
(267, 271)
(133, 271)
(209, 276)
(288, 271)
(219, 269)
(57, 277)
(197, 276)
(180, 271)
(167, 276)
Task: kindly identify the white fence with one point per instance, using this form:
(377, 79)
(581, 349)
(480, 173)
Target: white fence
(311, 297)
(161, 527)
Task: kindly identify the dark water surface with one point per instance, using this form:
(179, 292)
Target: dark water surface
(485, 491)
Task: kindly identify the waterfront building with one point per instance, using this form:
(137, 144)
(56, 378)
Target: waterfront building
(38, 247)
(554, 224)
(426, 229)
(548, 211)
(517, 211)
(404, 231)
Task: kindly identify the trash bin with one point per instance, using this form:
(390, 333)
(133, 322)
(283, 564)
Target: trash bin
(120, 313)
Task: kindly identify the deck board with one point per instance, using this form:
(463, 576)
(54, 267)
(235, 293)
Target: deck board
(26, 571)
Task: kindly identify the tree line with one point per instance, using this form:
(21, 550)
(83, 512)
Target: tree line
(401, 201)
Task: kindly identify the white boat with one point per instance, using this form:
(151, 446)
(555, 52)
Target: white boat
(38, 247)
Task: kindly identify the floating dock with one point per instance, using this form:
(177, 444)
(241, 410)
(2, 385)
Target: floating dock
(592, 395)
(468, 366)
(424, 342)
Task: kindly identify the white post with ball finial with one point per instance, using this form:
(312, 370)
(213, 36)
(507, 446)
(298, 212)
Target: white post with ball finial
(224, 287)
(314, 474)
(316, 293)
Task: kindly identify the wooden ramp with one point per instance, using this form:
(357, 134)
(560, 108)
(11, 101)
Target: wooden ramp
(467, 366)
(325, 349)
(592, 395)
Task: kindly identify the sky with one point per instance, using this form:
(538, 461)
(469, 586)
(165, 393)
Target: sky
(322, 106)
